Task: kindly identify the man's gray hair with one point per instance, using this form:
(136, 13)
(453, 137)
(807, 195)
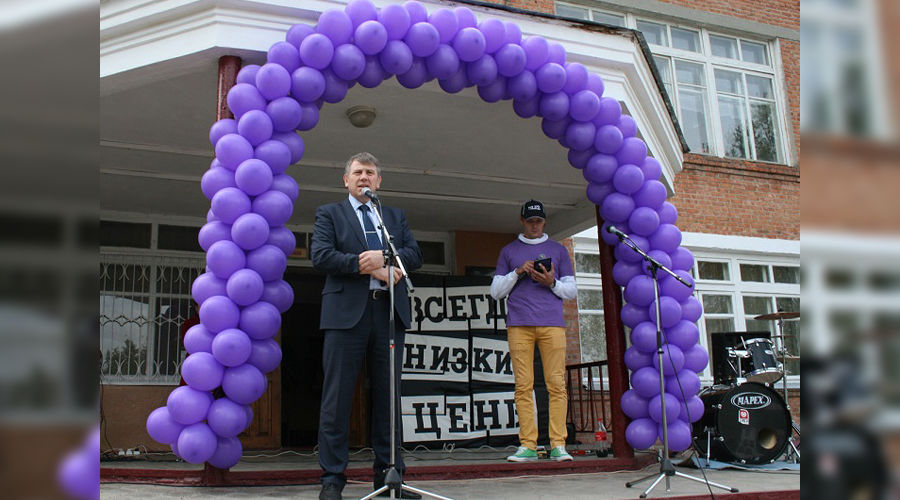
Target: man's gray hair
(365, 159)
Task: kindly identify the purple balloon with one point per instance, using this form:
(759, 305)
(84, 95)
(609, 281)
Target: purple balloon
(627, 125)
(494, 36)
(643, 221)
(684, 385)
(673, 407)
(669, 310)
(395, 20)
(513, 33)
(226, 418)
(628, 179)
(633, 151)
(555, 106)
(265, 355)
(219, 313)
(576, 81)
(598, 192)
(245, 287)
(641, 433)
(285, 114)
(396, 58)
(607, 237)
(624, 271)
(522, 86)
(283, 238)
(624, 253)
(695, 358)
(349, 61)
(444, 20)
(600, 168)
(360, 11)
(202, 372)
(197, 443)
(294, 144)
(221, 128)
(232, 149)
(684, 334)
(417, 12)
(260, 321)
(675, 289)
(466, 17)
(255, 126)
(610, 112)
(643, 337)
(609, 139)
(651, 168)
(682, 259)
(584, 106)
(483, 71)
(284, 54)
(228, 453)
(617, 207)
(198, 339)
(268, 261)
(645, 381)
(666, 238)
(444, 63)
(639, 291)
(416, 76)
(423, 39)
(162, 427)
(661, 257)
(335, 87)
(537, 52)
(253, 176)
(528, 107)
(215, 179)
(494, 91)
(673, 360)
(632, 315)
(554, 129)
(595, 85)
(373, 74)
(247, 74)
(211, 217)
(316, 51)
(231, 347)
(580, 135)
(371, 37)
(308, 121)
(651, 194)
(280, 294)
(207, 285)
(224, 258)
(679, 435)
(635, 359)
(244, 97)
(308, 84)
(188, 405)
(551, 78)
(511, 60)
(275, 154)
(668, 214)
(579, 159)
(634, 405)
(692, 411)
(691, 310)
(336, 25)
(273, 81)
(287, 185)
(275, 206)
(556, 53)
(297, 33)
(469, 44)
(244, 384)
(457, 82)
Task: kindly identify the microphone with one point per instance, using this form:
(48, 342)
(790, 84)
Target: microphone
(368, 193)
(613, 230)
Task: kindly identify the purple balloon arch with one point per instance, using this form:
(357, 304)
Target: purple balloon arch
(242, 294)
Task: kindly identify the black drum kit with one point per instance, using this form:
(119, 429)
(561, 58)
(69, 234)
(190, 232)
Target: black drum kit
(746, 421)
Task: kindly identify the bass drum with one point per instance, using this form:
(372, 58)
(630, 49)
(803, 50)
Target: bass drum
(747, 424)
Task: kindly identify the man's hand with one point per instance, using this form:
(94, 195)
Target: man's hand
(544, 278)
(371, 260)
(526, 268)
(382, 274)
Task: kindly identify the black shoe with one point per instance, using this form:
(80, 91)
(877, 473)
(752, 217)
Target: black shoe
(330, 491)
(411, 495)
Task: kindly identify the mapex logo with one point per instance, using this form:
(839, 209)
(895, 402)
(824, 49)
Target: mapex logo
(751, 400)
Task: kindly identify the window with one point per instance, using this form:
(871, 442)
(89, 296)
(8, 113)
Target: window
(690, 100)
(591, 325)
(598, 16)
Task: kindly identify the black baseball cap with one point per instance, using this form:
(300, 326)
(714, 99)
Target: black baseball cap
(533, 208)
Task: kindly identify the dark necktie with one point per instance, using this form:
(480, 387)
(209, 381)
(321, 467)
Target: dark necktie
(371, 235)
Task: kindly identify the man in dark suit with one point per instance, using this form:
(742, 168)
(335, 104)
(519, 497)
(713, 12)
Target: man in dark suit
(347, 246)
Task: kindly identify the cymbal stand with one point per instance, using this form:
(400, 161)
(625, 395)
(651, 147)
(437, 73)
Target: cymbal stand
(792, 450)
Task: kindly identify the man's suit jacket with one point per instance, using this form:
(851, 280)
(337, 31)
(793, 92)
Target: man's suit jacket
(337, 241)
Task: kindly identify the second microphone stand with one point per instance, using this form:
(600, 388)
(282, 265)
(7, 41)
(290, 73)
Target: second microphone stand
(666, 467)
(392, 480)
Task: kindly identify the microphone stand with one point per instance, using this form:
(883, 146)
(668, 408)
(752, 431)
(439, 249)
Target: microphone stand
(392, 480)
(666, 467)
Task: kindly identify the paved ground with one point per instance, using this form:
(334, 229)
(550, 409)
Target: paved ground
(598, 486)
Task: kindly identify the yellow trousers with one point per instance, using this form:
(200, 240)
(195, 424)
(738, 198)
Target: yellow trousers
(551, 340)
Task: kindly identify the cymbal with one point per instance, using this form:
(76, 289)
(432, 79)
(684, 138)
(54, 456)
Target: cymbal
(779, 315)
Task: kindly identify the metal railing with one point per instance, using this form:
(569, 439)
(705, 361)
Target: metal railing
(588, 395)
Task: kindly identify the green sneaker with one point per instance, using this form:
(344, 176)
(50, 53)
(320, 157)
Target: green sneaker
(523, 454)
(560, 454)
